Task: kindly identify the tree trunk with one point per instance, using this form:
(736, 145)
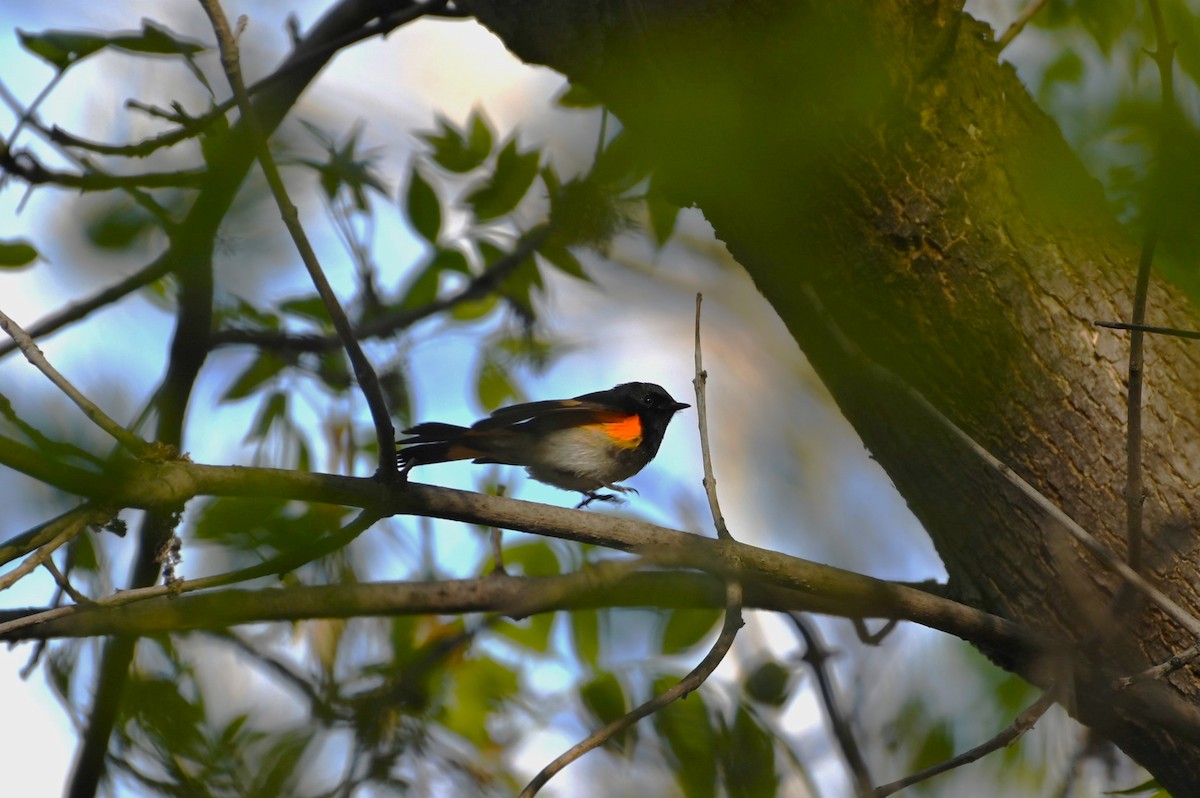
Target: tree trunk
(902, 203)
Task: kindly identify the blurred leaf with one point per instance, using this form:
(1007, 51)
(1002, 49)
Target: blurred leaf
(769, 684)
(686, 728)
(473, 309)
(686, 628)
(16, 252)
(1148, 786)
(156, 40)
(308, 307)
(333, 369)
(458, 152)
(532, 633)
(605, 700)
(118, 224)
(61, 48)
(261, 369)
(424, 208)
(493, 387)
(1105, 20)
(160, 708)
(345, 167)
(481, 686)
(1067, 68)
(1184, 26)
(500, 193)
(273, 409)
(536, 558)
(749, 759)
(936, 745)
(562, 259)
(662, 218)
(585, 635)
(577, 96)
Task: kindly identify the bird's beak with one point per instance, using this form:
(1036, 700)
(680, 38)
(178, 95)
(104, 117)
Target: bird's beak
(680, 406)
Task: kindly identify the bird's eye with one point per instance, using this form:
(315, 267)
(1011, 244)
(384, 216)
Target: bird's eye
(648, 400)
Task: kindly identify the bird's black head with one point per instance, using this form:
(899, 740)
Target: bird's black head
(647, 399)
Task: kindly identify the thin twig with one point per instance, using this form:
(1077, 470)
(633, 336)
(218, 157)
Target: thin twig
(1160, 670)
(368, 381)
(1120, 325)
(710, 481)
(1023, 723)
(1018, 24)
(197, 125)
(733, 622)
(281, 564)
(1134, 479)
(63, 583)
(817, 656)
(1098, 550)
(82, 309)
(66, 527)
(388, 323)
(127, 439)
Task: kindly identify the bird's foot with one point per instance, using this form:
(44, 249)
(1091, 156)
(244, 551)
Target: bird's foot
(598, 497)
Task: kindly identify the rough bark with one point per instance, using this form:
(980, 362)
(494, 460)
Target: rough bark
(902, 202)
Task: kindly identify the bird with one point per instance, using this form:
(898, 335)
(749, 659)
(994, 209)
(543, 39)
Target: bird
(583, 444)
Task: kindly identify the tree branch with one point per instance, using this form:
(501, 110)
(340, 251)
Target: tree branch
(368, 381)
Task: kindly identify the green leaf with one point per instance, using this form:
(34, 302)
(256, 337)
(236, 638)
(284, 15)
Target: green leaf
(536, 558)
(750, 759)
(1148, 786)
(562, 259)
(686, 628)
(480, 687)
(604, 698)
(494, 388)
(686, 728)
(662, 218)
(577, 96)
(532, 633)
(585, 635)
(273, 409)
(61, 48)
(263, 368)
(456, 152)
(156, 40)
(309, 307)
(424, 208)
(118, 224)
(500, 193)
(16, 253)
(768, 684)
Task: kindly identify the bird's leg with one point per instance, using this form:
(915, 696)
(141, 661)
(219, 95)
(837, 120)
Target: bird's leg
(592, 496)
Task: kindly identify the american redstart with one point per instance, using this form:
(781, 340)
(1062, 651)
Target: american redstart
(590, 442)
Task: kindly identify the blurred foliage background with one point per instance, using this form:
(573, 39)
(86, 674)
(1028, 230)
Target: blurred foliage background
(421, 164)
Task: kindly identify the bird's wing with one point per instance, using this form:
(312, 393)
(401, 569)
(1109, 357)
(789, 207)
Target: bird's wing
(564, 412)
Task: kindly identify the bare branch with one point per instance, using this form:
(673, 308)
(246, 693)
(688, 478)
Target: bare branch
(733, 622)
(1018, 24)
(368, 381)
(1023, 723)
(817, 656)
(710, 481)
(127, 439)
(63, 529)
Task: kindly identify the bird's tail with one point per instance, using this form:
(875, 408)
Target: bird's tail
(433, 442)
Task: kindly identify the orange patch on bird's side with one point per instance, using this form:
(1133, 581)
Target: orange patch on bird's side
(626, 432)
